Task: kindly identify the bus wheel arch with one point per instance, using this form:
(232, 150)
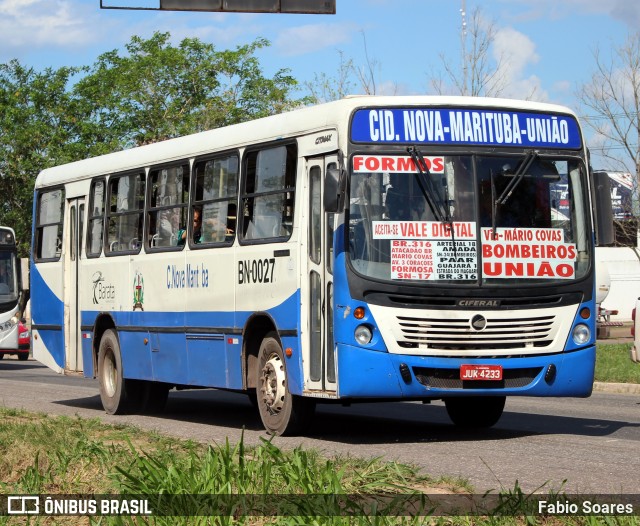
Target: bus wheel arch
(266, 379)
(256, 329)
(103, 323)
(281, 412)
(118, 394)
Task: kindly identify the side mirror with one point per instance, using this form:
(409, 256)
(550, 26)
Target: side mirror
(334, 190)
(603, 210)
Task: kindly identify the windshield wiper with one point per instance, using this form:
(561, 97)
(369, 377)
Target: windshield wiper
(494, 205)
(518, 176)
(438, 208)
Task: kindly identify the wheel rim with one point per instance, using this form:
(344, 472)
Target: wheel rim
(273, 384)
(109, 375)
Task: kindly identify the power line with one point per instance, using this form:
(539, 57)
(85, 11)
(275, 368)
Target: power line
(607, 148)
(609, 117)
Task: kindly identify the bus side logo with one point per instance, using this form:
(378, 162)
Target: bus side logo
(103, 292)
(97, 279)
(138, 291)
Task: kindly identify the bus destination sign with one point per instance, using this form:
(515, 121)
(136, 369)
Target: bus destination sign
(450, 126)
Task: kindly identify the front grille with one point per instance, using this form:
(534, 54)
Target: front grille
(452, 302)
(457, 333)
(450, 378)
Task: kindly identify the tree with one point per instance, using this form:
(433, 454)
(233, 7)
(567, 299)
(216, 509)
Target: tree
(36, 131)
(158, 91)
(325, 88)
(612, 102)
(475, 74)
(152, 91)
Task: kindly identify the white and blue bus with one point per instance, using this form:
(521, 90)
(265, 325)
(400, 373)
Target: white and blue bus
(10, 296)
(372, 248)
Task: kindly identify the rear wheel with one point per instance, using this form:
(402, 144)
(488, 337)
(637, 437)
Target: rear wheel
(281, 412)
(475, 412)
(118, 394)
(23, 356)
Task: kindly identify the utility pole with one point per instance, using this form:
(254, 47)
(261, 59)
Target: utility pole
(463, 42)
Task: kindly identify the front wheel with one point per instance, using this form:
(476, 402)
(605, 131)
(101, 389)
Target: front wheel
(475, 412)
(118, 395)
(281, 412)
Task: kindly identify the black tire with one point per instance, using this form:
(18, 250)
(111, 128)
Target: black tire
(280, 411)
(253, 398)
(475, 412)
(118, 395)
(1, 356)
(155, 397)
(23, 356)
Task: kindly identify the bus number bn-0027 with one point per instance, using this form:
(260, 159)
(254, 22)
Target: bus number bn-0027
(256, 271)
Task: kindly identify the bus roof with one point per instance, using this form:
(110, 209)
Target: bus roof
(281, 126)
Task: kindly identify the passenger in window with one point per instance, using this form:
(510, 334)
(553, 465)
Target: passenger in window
(197, 228)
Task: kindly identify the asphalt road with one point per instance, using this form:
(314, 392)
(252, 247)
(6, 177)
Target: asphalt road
(592, 443)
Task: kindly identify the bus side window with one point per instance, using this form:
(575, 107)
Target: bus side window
(126, 204)
(49, 225)
(96, 218)
(168, 198)
(216, 194)
(269, 193)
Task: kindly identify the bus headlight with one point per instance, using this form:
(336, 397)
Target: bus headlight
(363, 334)
(581, 334)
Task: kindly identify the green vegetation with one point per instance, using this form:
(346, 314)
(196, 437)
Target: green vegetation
(237, 484)
(149, 91)
(226, 484)
(614, 365)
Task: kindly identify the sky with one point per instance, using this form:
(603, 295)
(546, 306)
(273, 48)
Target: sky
(549, 44)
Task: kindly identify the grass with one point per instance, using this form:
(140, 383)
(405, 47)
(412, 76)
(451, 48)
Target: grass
(613, 364)
(235, 484)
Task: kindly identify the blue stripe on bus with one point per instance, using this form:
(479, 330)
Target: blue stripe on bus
(205, 359)
(206, 352)
(47, 309)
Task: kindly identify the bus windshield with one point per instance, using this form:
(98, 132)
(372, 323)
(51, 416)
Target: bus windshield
(8, 277)
(485, 219)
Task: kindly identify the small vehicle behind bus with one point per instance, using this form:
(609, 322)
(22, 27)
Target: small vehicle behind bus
(11, 329)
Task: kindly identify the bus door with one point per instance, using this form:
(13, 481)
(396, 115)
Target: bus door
(321, 372)
(72, 321)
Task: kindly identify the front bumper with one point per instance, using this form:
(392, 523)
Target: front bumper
(374, 374)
